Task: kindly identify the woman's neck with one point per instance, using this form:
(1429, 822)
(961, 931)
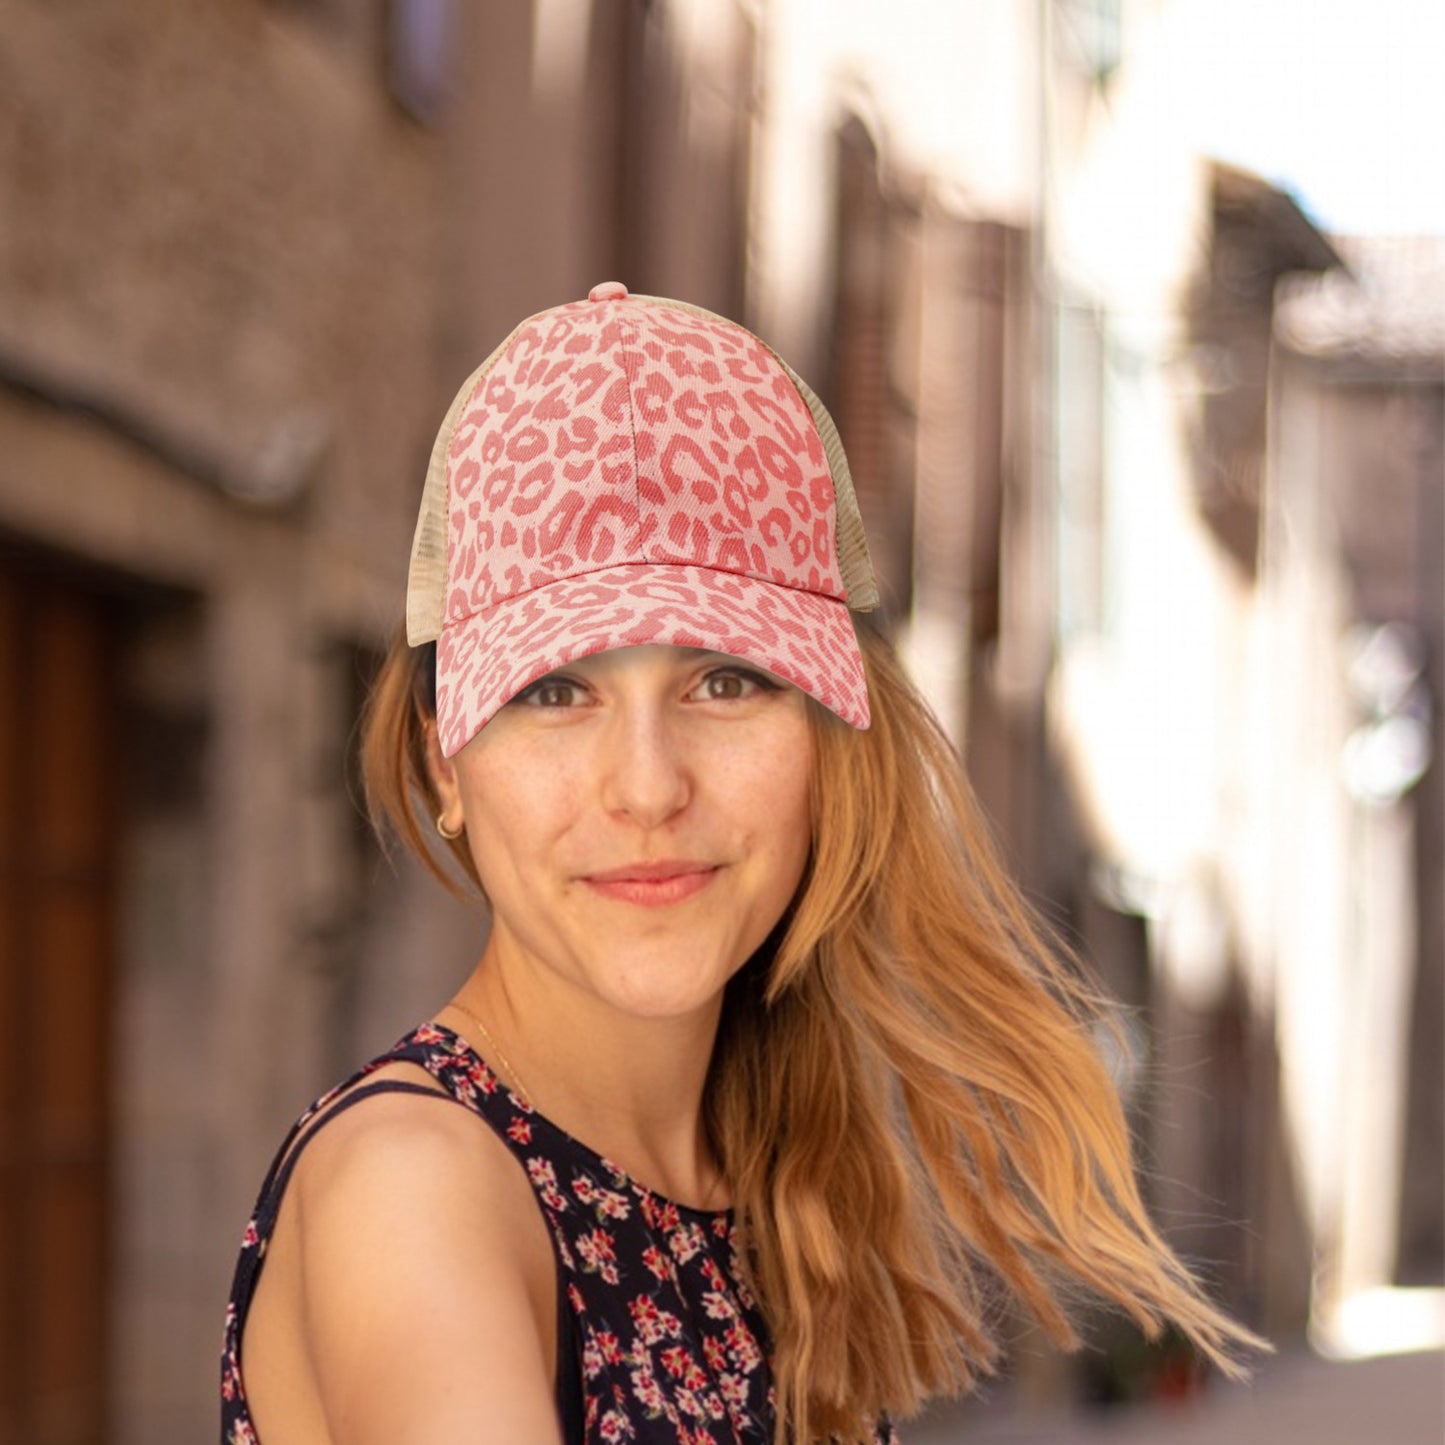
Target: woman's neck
(629, 1087)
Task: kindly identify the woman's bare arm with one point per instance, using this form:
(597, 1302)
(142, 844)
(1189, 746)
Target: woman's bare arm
(427, 1282)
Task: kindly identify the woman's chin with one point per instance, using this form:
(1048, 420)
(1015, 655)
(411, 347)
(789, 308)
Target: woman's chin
(664, 988)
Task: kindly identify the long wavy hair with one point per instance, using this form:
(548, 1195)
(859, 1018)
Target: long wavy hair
(905, 1094)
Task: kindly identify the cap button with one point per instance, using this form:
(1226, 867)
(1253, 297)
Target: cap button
(608, 291)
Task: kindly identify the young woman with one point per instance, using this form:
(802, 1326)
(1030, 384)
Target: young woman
(766, 1092)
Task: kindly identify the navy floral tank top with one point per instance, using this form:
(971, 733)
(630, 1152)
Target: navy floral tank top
(659, 1341)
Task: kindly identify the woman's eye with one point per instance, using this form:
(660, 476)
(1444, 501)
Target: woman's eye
(551, 692)
(729, 684)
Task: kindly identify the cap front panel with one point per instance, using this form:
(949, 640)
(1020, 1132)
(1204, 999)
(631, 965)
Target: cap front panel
(541, 480)
(729, 464)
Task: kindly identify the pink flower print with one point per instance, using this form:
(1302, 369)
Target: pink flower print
(519, 1131)
(612, 1205)
(653, 1324)
(712, 1274)
(544, 1177)
(740, 1288)
(715, 1354)
(685, 1242)
(656, 1261)
(722, 1226)
(614, 1427)
(592, 1363)
(743, 1347)
(675, 1359)
(660, 1214)
(599, 1254)
(647, 1317)
(734, 1389)
(647, 1391)
(584, 1188)
(717, 1305)
(610, 1346)
(250, 1236)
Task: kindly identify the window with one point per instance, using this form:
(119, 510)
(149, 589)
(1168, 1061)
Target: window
(419, 46)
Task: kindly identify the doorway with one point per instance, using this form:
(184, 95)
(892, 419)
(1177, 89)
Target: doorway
(59, 827)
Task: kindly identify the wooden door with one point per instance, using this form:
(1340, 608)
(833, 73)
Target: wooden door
(58, 824)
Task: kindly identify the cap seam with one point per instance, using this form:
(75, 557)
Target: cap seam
(612, 566)
(636, 464)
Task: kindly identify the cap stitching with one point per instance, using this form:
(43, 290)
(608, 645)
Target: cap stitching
(632, 431)
(612, 566)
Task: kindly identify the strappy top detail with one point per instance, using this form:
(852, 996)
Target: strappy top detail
(660, 1341)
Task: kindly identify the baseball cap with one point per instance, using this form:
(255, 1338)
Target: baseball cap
(627, 470)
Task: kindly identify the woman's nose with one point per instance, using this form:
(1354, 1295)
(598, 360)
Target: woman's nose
(645, 775)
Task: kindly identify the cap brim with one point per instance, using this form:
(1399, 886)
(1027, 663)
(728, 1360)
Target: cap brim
(803, 637)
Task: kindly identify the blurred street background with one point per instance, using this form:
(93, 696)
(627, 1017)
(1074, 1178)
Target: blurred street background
(1131, 314)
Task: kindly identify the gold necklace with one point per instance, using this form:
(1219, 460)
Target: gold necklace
(511, 1071)
(507, 1066)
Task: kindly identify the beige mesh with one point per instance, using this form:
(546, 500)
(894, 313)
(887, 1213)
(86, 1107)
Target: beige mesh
(427, 576)
(854, 564)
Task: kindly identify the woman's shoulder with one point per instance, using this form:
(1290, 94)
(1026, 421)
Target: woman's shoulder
(417, 1257)
(417, 1155)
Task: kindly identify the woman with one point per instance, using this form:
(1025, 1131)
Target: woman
(770, 1090)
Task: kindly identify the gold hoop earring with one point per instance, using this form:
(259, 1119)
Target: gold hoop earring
(450, 834)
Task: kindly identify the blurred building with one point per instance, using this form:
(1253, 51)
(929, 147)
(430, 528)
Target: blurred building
(247, 252)
(1355, 549)
(1152, 473)
(1247, 543)
(1160, 539)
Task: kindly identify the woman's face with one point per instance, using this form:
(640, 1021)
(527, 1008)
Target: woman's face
(639, 820)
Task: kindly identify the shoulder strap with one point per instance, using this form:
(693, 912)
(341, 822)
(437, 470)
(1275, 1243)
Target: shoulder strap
(568, 1384)
(274, 1189)
(268, 1205)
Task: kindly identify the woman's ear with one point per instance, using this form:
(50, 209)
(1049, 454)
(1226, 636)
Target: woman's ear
(443, 778)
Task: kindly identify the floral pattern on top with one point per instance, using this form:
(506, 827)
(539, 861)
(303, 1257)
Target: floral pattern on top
(669, 1343)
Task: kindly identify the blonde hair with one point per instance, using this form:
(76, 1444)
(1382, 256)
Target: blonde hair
(905, 1093)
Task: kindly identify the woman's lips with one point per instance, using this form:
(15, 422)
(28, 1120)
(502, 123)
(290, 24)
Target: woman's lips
(653, 885)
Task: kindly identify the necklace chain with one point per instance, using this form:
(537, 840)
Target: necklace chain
(508, 1067)
(511, 1072)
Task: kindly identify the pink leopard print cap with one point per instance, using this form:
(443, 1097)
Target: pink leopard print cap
(627, 470)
